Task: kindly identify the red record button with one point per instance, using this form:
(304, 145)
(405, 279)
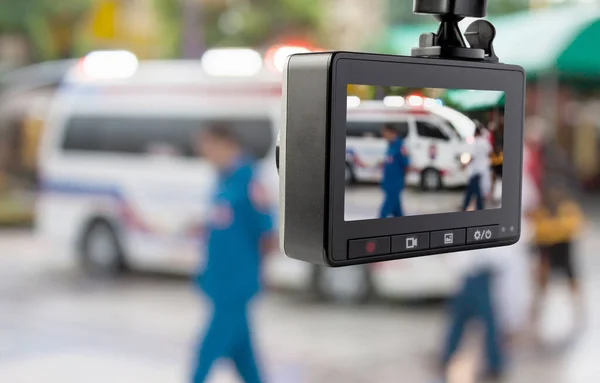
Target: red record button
(371, 247)
(367, 247)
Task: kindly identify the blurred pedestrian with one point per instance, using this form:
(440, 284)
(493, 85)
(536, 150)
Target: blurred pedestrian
(496, 290)
(475, 302)
(534, 138)
(478, 169)
(394, 171)
(514, 287)
(486, 181)
(237, 235)
(558, 222)
(496, 133)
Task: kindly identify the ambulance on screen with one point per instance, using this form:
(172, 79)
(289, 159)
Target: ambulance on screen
(436, 138)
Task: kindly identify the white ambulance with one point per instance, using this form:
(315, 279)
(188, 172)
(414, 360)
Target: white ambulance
(120, 181)
(122, 187)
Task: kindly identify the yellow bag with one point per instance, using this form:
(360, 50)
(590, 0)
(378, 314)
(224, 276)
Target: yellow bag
(497, 158)
(561, 227)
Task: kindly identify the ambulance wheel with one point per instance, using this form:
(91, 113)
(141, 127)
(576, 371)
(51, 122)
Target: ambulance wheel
(349, 285)
(431, 180)
(349, 175)
(101, 253)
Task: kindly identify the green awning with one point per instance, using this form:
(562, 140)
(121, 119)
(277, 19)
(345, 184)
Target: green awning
(561, 39)
(469, 101)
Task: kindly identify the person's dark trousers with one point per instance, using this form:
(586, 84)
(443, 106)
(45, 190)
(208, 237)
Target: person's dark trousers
(474, 190)
(474, 301)
(228, 336)
(392, 205)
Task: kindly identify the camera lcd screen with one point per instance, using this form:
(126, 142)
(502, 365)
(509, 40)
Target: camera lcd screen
(420, 151)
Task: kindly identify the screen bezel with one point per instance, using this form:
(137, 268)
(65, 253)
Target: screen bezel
(424, 73)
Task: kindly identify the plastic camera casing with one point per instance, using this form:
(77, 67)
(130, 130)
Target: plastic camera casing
(313, 143)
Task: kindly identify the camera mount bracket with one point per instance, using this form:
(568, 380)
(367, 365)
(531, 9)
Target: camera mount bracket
(449, 42)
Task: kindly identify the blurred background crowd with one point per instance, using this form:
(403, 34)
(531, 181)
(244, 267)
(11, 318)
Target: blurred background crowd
(102, 189)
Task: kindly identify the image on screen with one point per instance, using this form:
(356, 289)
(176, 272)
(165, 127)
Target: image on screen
(417, 151)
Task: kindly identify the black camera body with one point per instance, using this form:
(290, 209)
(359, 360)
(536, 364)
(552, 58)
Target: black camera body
(385, 157)
(314, 154)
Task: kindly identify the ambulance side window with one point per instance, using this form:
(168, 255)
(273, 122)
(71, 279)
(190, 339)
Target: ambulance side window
(363, 129)
(256, 135)
(373, 129)
(401, 128)
(429, 130)
(139, 136)
(83, 135)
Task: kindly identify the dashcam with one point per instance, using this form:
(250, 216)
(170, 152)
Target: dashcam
(385, 157)
(389, 157)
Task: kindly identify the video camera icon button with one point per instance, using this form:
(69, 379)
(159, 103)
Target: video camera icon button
(482, 234)
(410, 242)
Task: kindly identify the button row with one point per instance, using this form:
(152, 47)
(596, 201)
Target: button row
(421, 241)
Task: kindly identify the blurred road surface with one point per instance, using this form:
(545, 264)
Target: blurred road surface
(56, 325)
(364, 201)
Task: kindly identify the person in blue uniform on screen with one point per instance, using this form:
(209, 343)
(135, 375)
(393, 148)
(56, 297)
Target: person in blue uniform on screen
(394, 169)
(238, 233)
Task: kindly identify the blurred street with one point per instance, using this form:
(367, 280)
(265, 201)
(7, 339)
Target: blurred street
(58, 325)
(144, 133)
(364, 201)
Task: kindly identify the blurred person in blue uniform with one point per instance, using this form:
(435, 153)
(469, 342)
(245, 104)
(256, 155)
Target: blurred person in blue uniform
(394, 170)
(238, 234)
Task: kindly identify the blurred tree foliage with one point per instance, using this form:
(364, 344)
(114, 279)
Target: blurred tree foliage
(47, 25)
(260, 22)
(169, 20)
(53, 28)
